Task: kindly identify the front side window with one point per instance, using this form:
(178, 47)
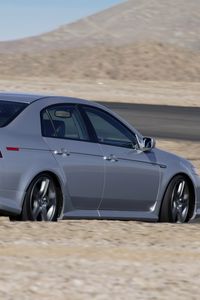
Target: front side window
(63, 121)
(109, 130)
(9, 111)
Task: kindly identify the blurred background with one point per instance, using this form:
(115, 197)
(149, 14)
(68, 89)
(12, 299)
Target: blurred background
(142, 59)
(128, 54)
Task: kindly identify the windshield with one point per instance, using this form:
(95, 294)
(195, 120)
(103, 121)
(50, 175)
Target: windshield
(9, 111)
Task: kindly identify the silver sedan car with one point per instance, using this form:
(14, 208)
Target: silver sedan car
(63, 157)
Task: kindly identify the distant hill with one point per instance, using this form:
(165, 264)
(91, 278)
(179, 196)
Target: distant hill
(146, 39)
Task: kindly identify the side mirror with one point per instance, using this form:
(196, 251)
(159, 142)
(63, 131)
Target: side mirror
(149, 143)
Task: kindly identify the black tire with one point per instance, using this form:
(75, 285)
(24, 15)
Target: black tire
(178, 201)
(16, 218)
(42, 201)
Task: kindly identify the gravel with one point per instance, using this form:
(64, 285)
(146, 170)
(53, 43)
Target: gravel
(99, 260)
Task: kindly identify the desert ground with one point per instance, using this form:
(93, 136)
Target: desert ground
(99, 260)
(81, 259)
(143, 92)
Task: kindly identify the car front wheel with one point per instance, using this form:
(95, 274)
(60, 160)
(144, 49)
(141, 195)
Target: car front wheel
(178, 202)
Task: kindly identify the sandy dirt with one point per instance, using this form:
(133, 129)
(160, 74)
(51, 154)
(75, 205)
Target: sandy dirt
(146, 92)
(99, 260)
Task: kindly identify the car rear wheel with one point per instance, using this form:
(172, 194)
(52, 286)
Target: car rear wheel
(178, 202)
(42, 200)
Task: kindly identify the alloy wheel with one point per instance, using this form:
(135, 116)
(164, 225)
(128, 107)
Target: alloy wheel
(180, 201)
(43, 199)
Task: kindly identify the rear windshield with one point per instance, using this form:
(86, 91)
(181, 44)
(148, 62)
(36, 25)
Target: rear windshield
(9, 111)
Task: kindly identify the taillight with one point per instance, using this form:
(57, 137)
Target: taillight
(12, 148)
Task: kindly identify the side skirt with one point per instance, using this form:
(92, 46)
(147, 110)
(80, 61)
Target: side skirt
(110, 215)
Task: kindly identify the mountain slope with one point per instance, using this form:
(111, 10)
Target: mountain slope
(168, 21)
(141, 61)
(146, 39)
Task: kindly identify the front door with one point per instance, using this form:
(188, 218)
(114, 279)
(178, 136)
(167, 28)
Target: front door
(131, 176)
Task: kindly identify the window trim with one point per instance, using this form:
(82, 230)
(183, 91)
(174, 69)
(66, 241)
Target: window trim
(89, 124)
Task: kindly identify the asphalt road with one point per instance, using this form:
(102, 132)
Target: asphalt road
(161, 121)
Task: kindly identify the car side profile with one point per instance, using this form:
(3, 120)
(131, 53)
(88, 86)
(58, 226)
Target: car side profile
(63, 157)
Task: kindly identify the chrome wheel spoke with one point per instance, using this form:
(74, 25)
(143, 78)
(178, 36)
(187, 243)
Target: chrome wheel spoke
(43, 199)
(181, 188)
(44, 213)
(180, 202)
(174, 211)
(36, 210)
(179, 218)
(44, 187)
(52, 196)
(50, 212)
(182, 213)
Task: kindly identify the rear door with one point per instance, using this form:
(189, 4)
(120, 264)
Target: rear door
(78, 157)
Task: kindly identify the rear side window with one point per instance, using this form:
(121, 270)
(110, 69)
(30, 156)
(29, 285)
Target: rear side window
(9, 111)
(63, 121)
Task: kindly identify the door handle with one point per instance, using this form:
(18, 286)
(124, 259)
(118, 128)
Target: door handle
(62, 151)
(111, 158)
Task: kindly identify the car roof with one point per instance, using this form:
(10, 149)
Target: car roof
(29, 98)
(19, 97)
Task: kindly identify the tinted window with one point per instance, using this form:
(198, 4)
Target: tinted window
(9, 111)
(109, 130)
(63, 121)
